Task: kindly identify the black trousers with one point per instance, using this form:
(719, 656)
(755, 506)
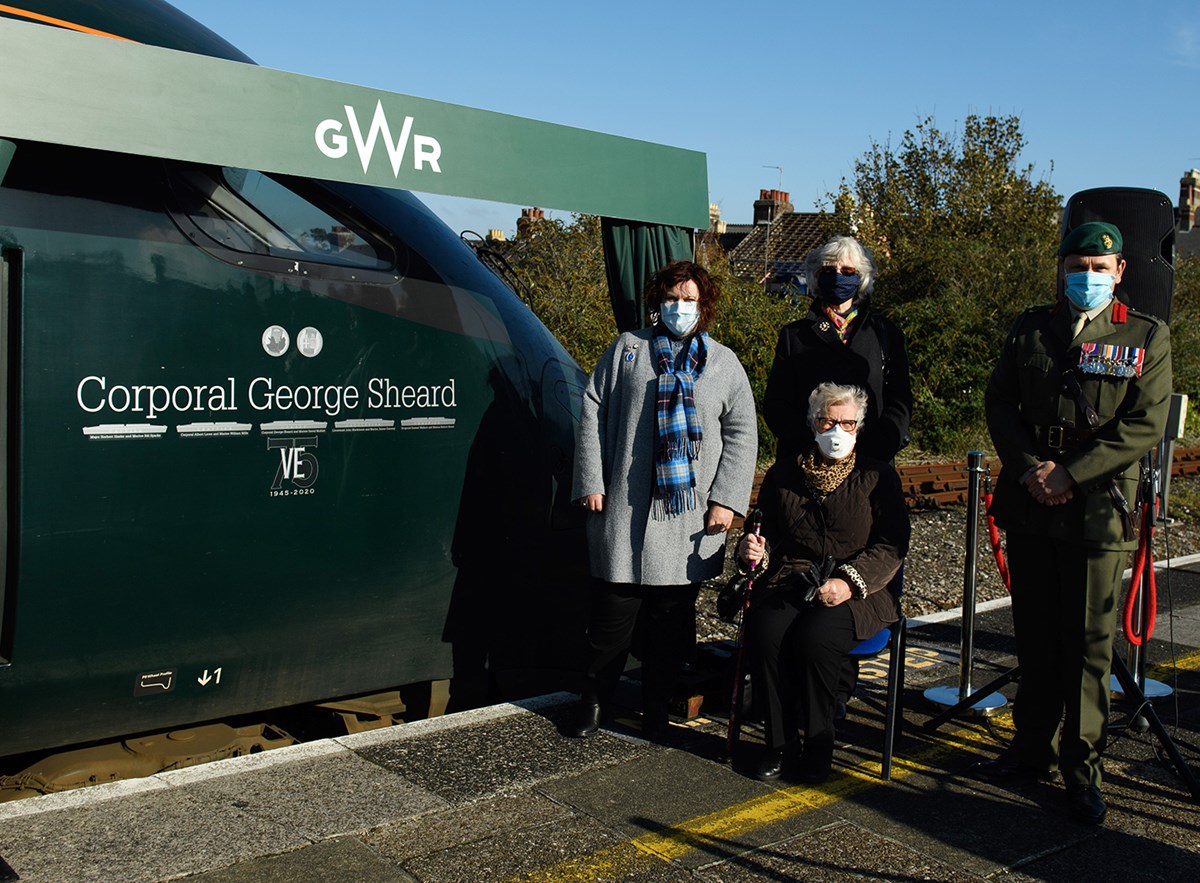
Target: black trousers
(798, 652)
(659, 620)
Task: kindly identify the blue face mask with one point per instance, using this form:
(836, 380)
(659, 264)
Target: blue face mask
(1088, 290)
(834, 288)
(680, 316)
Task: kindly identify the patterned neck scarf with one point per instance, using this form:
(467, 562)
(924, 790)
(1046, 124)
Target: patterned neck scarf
(824, 476)
(841, 324)
(679, 436)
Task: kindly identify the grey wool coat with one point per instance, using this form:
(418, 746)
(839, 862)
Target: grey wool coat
(614, 456)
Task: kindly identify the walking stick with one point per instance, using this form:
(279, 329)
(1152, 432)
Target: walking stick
(735, 702)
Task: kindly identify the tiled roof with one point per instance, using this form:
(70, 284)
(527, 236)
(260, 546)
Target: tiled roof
(733, 235)
(793, 236)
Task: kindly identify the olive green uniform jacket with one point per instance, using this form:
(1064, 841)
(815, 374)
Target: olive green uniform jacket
(1026, 399)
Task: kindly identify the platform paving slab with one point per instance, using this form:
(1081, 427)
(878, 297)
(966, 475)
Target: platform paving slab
(320, 797)
(650, 797)
(980, 829)
(411, 838)
(330, 861)
(150, 836)
(837, 853)
(577, 848)
(483, 760)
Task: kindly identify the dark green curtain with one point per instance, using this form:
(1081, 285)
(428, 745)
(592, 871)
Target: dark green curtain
(7, 150)
(632, 252)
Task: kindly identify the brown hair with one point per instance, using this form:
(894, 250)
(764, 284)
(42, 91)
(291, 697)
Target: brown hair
(676, 273)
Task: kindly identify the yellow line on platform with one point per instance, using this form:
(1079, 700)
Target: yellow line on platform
(1190, 662)
(720, 831)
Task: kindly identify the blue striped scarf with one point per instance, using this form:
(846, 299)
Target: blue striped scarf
(679, 432)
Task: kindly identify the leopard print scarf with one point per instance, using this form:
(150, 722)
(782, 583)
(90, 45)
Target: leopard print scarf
(824, 476)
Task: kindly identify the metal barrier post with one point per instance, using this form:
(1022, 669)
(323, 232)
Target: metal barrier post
(948, 695)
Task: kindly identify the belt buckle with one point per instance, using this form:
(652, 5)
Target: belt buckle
(1054, 437)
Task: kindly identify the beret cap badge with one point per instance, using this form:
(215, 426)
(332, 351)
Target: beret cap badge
(1093, 238)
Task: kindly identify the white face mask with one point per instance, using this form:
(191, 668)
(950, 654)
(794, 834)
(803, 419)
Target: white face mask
(680, 316)
(835, 443)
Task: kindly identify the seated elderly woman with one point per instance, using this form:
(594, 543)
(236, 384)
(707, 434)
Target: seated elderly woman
(834, 533)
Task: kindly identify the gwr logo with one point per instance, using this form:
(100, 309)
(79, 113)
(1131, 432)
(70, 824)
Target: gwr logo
(296, 463)
(335, 145)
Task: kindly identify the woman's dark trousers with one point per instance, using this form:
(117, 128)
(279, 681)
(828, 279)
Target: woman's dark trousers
(797, 651)
(659, 623)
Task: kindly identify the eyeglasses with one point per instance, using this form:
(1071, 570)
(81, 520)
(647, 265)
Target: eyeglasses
(845, 271)
(825, 424)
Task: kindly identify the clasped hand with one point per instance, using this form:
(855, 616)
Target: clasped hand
(1049, 483)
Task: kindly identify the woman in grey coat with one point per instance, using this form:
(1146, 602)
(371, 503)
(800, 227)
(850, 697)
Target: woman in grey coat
(665, 457)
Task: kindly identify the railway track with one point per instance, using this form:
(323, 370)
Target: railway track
(929, 486)
(933, 485)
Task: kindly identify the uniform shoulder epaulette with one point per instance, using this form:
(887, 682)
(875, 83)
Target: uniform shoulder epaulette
(1131, 313)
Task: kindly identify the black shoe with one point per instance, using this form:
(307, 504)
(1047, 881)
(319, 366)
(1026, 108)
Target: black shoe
(585, 722)
(1086, 803)
(770, 766)
(1006, 768)
(815, 765)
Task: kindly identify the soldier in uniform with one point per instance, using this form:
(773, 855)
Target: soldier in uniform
(1080, 393)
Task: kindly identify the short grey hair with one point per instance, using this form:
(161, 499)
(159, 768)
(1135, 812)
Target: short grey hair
(839, 249)
(826, 395)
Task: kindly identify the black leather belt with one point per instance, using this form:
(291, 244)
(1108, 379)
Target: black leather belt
(1064, 438)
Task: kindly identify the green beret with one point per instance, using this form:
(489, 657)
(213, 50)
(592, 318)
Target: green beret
(1092, 239)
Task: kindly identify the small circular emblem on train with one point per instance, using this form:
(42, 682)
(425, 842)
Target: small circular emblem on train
(275, 340)
(309, 341)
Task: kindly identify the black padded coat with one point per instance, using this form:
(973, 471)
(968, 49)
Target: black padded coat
(862, 524)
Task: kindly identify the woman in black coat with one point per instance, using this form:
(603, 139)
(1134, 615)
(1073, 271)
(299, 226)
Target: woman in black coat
(841, 340)
(835, 531)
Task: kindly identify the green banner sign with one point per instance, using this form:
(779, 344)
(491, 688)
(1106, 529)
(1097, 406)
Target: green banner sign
(81, 90)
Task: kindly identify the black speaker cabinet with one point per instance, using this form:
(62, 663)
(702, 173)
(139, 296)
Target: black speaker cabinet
(1146, 219)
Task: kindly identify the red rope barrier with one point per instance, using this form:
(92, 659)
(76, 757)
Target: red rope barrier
(1143, 561)
(997, 550)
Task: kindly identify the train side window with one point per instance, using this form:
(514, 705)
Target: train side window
(247, 211)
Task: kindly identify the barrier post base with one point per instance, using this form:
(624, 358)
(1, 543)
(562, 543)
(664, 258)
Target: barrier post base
(983, 693)
(950, 696)
(1151, 688)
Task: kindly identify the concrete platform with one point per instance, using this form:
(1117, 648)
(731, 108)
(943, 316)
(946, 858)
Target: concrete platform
(497, 794)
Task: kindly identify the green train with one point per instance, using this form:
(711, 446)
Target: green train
(268, 440)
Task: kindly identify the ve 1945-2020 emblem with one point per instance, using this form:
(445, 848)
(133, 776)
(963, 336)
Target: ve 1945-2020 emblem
(298, 465)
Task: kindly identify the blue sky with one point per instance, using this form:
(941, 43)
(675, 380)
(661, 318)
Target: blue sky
(1107, 92)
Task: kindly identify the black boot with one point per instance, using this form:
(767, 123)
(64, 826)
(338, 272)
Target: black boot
(816, 761)
(586, 719)
(770, 766)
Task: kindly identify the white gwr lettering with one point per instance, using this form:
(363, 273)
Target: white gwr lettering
(427, 151)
